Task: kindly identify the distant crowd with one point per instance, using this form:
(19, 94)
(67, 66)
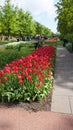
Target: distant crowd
(24, 38)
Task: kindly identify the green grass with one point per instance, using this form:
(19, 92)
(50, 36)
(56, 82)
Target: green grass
(8, 55)
(6, 42)
(55, 44)
(14, 52)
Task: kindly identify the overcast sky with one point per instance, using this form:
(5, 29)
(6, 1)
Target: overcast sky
(42, 11)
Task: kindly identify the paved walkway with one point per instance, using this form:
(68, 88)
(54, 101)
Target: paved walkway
(62, 99)
(19, 119)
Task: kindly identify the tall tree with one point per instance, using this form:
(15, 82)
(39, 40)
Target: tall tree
(65, 18)
(41, 29)
(29, 24)
(14, 21)
(24, 23)
(7, 18)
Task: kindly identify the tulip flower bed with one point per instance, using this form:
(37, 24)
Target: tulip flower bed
(51, 40)
(29, 78)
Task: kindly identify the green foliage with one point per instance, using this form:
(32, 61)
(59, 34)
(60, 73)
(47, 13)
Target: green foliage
(55, 44)
(12, 53)
(69, 47)
(25, 23)
(42, 30)
(7, 18)
(16, 22)
(65, 19)
(13, 91)
(6, 42)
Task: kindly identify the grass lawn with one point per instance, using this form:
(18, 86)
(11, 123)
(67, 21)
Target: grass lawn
(55, 44)
(10, 54)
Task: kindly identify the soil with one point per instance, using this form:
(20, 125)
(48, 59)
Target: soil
(44, 105)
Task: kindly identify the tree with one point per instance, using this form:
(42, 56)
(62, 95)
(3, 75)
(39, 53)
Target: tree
(29, 24)
(65, 18)
(20, 23)
(7, 18)
(16, 22)
(46, 30)
(41, 29)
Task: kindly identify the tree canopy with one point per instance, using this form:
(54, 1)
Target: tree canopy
(65, 18)
(14, 21)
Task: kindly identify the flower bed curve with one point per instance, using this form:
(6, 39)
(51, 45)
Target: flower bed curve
(29, 78)
(51, 40)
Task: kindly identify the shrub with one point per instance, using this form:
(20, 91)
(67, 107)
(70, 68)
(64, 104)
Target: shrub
(69, 46)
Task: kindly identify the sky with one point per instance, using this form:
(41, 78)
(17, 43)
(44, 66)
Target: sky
(43, 11)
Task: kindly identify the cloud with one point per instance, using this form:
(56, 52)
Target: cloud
(36, 7)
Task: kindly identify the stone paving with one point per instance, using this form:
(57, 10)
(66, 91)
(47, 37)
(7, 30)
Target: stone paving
(62, 99)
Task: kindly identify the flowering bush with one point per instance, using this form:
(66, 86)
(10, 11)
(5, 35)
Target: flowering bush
(28, 78)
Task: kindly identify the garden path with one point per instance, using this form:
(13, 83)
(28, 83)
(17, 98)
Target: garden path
(62, 99)
(20, 119)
